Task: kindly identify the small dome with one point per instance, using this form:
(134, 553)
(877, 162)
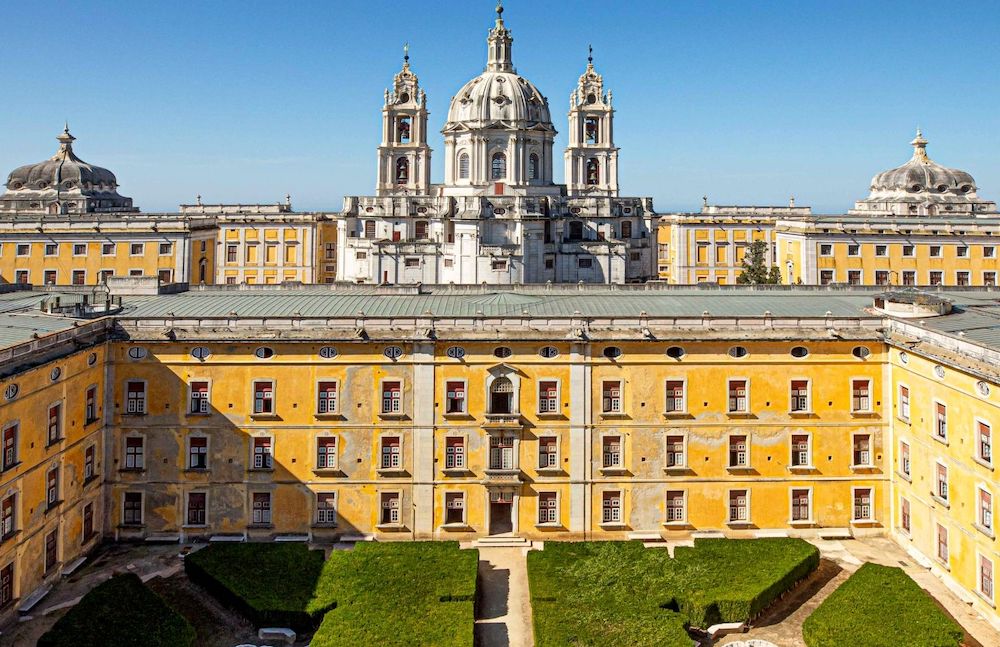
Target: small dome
(499, 96)
(922, 175)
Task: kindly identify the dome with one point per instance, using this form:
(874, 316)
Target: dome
(922, 175)
(63, 171)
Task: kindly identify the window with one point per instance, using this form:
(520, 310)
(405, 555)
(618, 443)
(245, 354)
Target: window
(389, 509)
(986, 577)
(881, 250)
(21, 277)
(825, 249)
(593, 172)
(51, 550)
(454, 508)
(135, 398)
(881, 277)
(326, 453)
(261, 508)
(942, 543)
(231, 253)
(8, 520)
(392, 397)
(548, 397)
(90, 405)
(909, 251)
(626, 228)
(134, 450)
(369, 229)
(6, 585)
(909, 277)
(962, 278)
(940, 421)
(799, 396)
(196, 508)
(675, 397)
(132, 509)
(575, 231)
(420, 229)
(263, 459)
(935, 251)
(326, 398)
(263, 397)
(197, 453)
(49, 277)
(199, 398)
(990, 279)
(88, 522)
(454, 453)
(739, 454)
(391, 455)
(455, 397)
(533, 166)
(403, 130)
(863, 504)
(676, 452)
(801, 455)
(937, 277)
(961, 251)
(23, 249)
(166, 249)
(989, 251)
(502, 452)
(502, 396)
(590, 128)
(985, 516)
(801, 508)
(738, 396)
(862, 450)
(904, 458)
(861, 401)
(612, 452)
(739, 506)
(738, 352)
(941, 481)
(611, 507)
(326, 508)
(984, 442)
(611, 396)
(854, 250)
(498, 166)
(585, 263)
(104, 275)
(826, 277)
(411, 262)
(10, 446)
(55, 423)
(548, 452)
(548, 508)
(463, 166)
(51, 249)
(89, 458)
(904, 403)
(137, 249)
(675, 508)
(904, 514)
(79, 277)
(854, 277)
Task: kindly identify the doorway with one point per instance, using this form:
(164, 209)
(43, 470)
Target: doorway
(501, 512)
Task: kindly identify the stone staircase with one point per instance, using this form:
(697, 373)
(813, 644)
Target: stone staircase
(502, 541)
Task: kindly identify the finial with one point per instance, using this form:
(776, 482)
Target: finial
(406, 52)
(500, 10)
(66, 127)
(704, 200)
(198, 199)
(288, 199)
(590, 54)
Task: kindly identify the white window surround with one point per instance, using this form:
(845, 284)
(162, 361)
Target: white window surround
(749, 512)
(988, 530)
(687, 458)
(729, 441)
(378, 512)
(558, 445)
(460, 525)
(190, 395)
(904, 410)
(548, 414)
(872, 517)
(142, 452)
(464, 468)
(402, 398)
(620, 413)
(550, 524)
(274, 397)
(253, 438)
(328, 523)
(621, 509)
(871, 394)
(808, 465)
(812, 508)
(187, 502)
(402, 453)
(494, 374)
(683, 410)
(747, 410)
(683, 521)
(444, 398)
(620, 467)
(808, 410)
(144, 399)
(337, 398)
(336, 458)
(871, 451)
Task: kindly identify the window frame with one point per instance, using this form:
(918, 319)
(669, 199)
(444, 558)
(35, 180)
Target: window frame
(461, 495)
(792, 410)
(745, 411)
(607, 402)
(335, 411)
(988, 596)
(14, 425)
(729, 451)
(461, 465)
(871, 450)
(206, 401)
(906, 474)
(142, 400)
(904, 406)
(60, 432)
(556, 454)
(667, 398)
(871, 518)
(254, 413)
(141, 508)
(382, 467)
(667, 521)
(978, 424)
(936, 423)
(683, 435)
(331, 511)
(944, 500)
(620, 465)
(730, 521)
(187, 509)
(269, 466)
(90, 404)
(464, 399)
(557, 507)
(137, 459)
(254, 522)
(808, 465)
(189, 454)
(987, 529)
(392, 494)
(557, 411)
(620, 508)
(323, 439)
(401, 411)
(811, 517)
(870, 396)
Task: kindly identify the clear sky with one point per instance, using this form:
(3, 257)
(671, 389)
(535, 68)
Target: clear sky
(745, 102)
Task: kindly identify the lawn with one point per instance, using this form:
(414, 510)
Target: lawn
(120, 612)
(622, 594)
(880, 606)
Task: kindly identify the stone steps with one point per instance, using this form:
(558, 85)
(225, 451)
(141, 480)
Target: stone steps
(502, 541)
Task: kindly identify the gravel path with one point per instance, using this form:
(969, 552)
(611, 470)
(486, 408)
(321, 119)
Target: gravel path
(503, 610)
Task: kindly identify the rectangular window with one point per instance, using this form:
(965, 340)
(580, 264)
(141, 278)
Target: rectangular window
(738, 396)
(989, 251)
(825, 249)
(909, 277)
(199, 398)
(854, 250)
(232, 251)
(88, 522)
(196, 508)
(132, 509)
(326, 453)
(548, 508)
(739, 506)
(107, 249)
(862, 504)
(197, 453)
(962, 278)
(90, 406)
(415, 262)
(935, 251)
(800, 451)
(675, 506)
(904, 514)
(10, 433)
(326, 398)
(89, 458)
(937, 277)
(137, 249)
(134, 453)
(826, 277)
(611, 396)
(854, 277)
(941, 420)
(104, 275)
(8, 520)
(548, 397)
(52, 486)
(326, 508)
(263, 397)
(881, 277)
(548, 453)
(392, 397)
(984, 442)
(985, 510)
(990, 279)
(675, 397)
(881, 250)
(502, 452)
(390, 509)
(454, 508)
(455, 397)
(585, 263)
(166, 249)
(942, 543)
(611, 507)
(909, 251)
(391, 456)
(904, 403)
(862, 450)
(261, 508)
(799, 396)
(986, 577)
(611, 452)
(801, 508)
(135, 398)
(51, 550)
(676, 455)
(962, 251)
(23, 249)
(6, 585)
(861, 400)
(330, 251)
(79, 277)
(55, 423)
(941, 481)
(262, 453)
(454, 453)
(738, 454)
(21, 277)
(51, 249)
(904, 458)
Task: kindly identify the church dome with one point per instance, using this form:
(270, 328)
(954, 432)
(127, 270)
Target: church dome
(63, 171)
(922, 175)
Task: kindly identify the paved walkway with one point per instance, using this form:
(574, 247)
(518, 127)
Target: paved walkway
(503, 612)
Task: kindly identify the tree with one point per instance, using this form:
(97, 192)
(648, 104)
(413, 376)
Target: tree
(755, 266)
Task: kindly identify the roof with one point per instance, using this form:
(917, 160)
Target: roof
(21, 327)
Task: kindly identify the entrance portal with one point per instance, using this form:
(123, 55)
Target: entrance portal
(501, 512)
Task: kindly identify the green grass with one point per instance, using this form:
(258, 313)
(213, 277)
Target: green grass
(880, 606)
(121, 612)
(270, 584)
(407, 595)
(622, 594)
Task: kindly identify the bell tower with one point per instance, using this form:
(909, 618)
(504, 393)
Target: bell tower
(591, 157)
(404, 158)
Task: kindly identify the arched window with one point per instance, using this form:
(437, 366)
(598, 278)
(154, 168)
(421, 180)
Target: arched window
(590, 130)
(402, 171)
(502, 396)
(533, 166)
(403, 130)
(202, 270)
(593, 172)
(463, 166)
(499, 166)
(576, 230)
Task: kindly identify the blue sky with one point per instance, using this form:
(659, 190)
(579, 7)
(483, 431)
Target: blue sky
(746, 102)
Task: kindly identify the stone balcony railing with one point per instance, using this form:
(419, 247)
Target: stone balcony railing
(502, 421)
(502, 476)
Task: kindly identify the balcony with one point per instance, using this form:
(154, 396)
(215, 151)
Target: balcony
(502, 477)
(502, 422)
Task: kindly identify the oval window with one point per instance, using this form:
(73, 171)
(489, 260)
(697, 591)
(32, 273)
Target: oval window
(328, 352)
(904, 358)
(503, 352)
(91, 359)
(861, 352)
(939, 371)
(799, 352)
(11, 391)
(264, 352)
(455, 352)
(137, 352)
(675, 352)
(737, 352)
(200, 353)
(393, 352)
(548, 352)
(55, 373)
(983, 388)
(612, 352)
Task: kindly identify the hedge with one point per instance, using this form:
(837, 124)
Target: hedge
(120, 612)
(270, 584)
(620, 593)
(406, 595)
(880, 606)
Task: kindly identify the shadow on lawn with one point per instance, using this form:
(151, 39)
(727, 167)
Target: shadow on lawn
(795, 598)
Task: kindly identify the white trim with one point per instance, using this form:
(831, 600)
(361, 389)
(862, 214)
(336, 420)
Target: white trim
(684, 439)
(326, 433)
(253, 397)
(871, 392)
(738, 412)
(683, 521)
(190, 394)
(729, 445)
(808, 465)
(738, 522)
(187, 503)
(538, 508)
(899, 402)
(398, 434)
(871, 450)
(809, 400)
(558, 444)
(684, 396)
(811, 520)
(620, 466)
(337, 404)
(253, 438)
(538, 398)
(871, 493)
(402, 398)
(465, 397)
